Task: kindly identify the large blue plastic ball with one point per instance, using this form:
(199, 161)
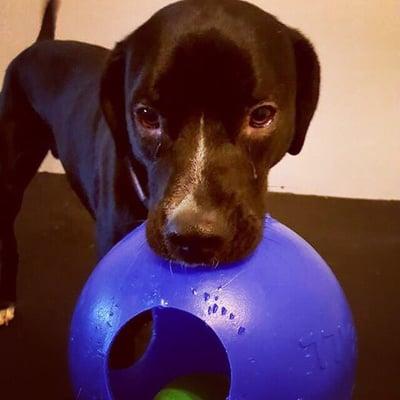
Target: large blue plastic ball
(276, 324)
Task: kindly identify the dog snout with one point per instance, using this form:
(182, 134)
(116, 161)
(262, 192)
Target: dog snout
(197, 236)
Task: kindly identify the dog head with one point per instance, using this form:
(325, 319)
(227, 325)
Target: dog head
(206, 97)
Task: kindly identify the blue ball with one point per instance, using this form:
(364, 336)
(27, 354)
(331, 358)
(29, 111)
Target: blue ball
(276, 324)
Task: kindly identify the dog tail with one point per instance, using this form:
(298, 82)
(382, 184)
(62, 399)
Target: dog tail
(48, 28)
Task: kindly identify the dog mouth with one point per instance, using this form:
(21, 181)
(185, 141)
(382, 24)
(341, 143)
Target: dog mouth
(213, 255)
(192, 253)
(194, 245)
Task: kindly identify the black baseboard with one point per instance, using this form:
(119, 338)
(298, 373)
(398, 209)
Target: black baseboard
(360, 240)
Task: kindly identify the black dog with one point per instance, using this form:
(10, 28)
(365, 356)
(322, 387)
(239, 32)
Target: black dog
(179, 124)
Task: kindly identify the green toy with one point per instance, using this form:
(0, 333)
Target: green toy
(196, 387)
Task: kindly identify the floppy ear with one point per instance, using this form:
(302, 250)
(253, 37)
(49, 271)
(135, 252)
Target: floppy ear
(112, 98)
(307, 92)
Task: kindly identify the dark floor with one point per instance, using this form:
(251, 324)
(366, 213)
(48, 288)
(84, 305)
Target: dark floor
(359, 239)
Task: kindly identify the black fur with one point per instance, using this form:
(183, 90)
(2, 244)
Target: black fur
(195, 60)
(48, 28)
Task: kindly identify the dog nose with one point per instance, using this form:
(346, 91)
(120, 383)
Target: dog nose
(196, 236)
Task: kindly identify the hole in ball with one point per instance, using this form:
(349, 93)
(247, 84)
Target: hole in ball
(131, 342)
(166, 352)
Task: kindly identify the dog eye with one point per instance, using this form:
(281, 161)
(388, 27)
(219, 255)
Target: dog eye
(148, 117)
(262, 116)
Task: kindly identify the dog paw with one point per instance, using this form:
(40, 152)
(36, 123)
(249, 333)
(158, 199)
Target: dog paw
(6, 315)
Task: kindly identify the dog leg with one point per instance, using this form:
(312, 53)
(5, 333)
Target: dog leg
(24, 142)
(7, 315)
(112, 227)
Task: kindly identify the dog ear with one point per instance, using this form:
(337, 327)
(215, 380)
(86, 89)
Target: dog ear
(112, 98)
(307, 92)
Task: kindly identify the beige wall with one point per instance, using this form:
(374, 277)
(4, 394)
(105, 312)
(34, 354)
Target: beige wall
(353, 147)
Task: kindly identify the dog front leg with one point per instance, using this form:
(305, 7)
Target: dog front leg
(8, 272)
(24, 142)
(112, 226)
